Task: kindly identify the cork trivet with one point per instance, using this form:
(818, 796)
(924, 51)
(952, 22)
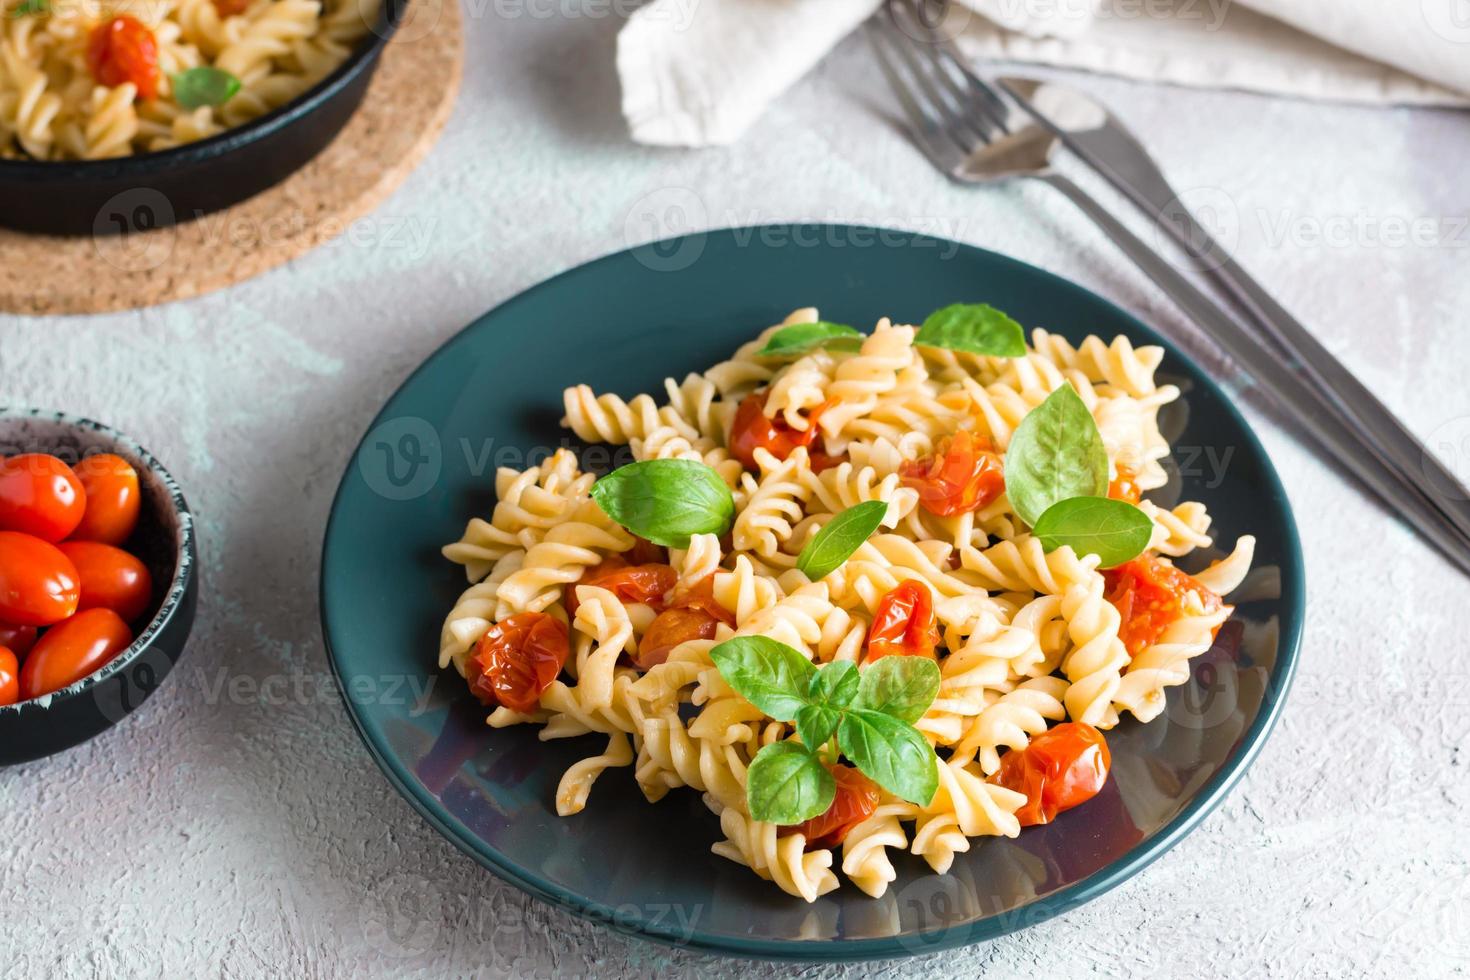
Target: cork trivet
(406, 105)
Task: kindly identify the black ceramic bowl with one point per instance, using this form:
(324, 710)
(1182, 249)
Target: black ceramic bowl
(151, 190)
(164, 541)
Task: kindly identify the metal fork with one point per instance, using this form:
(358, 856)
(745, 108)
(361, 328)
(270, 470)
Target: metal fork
(969, 134)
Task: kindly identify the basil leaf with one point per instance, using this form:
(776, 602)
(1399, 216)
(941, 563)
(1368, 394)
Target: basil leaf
(900, 687)
(195, 87)
(786, 784)
(890, 752)
(767, 673)
(835, 684)
(802, 337)
(666, 500)
(27, 7)
(1055, 453)
(842, 535)
(974, 328)
(1114, 530)
(815, 723)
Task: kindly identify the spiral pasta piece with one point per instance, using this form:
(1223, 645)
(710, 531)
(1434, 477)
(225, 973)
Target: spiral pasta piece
(1095, 665)
(561, 557)
(783, 860)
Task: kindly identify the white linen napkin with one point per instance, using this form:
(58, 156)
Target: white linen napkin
(699, 72)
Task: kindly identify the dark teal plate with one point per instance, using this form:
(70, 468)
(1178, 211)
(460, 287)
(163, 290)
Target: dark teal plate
(491, 397)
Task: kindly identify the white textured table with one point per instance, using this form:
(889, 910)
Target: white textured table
(235, 825)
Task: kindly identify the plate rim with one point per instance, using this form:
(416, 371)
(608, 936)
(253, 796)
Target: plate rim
(1098, 883)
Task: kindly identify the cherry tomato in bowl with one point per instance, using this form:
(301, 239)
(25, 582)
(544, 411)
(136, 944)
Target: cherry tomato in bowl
(38, 583)
(40, 496)
(113, 499)
(9, 676)
(18, 639)
(110, 578)
(72, 650)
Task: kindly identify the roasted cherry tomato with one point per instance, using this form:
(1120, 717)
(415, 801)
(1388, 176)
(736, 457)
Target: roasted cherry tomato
(112, 499)
(38, 584)
(647, 584)
(517, 659)
(856, 799)
(1125, 486)
(671, 628)
(702, 596)
(964, 475)
(646, 552)
(111, 578)
(904, 623)
(73, 649)
(18, 639)
(751, 430)
(40, 495)
(692, 615)
(1149, 594)
(9, 677)
(1062, 767)
(123, 50)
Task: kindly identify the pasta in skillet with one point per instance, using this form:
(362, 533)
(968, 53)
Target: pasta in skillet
(91, 79)
(1037, 644)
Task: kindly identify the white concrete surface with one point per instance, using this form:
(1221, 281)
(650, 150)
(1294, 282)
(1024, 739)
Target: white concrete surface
(218, 834)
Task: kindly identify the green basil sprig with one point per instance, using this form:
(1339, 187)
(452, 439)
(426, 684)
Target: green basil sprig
(839, 538)
(800, 338)
(973, 328)
(1055, 453)
(1057, 481)
(204, 85)
(28, 7)
(1114, 530)
(666, 500)
(870, 713)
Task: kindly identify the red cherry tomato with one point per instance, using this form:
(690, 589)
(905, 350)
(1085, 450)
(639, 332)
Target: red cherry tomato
(751, 430)
(38, 584)
(647, 584)
(856, 799)
(904, 623)
(518, 659)
(964, 475)
(1149, 594)
(646, 553)
(692, 615)
(113, 499)
(123, 50)
(40, 495)
(1125, 486)
(111, 578)
(1062, 767)
(671, 628)
(18, 639)
(702, 596)
(9, 677)
(73, 649)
